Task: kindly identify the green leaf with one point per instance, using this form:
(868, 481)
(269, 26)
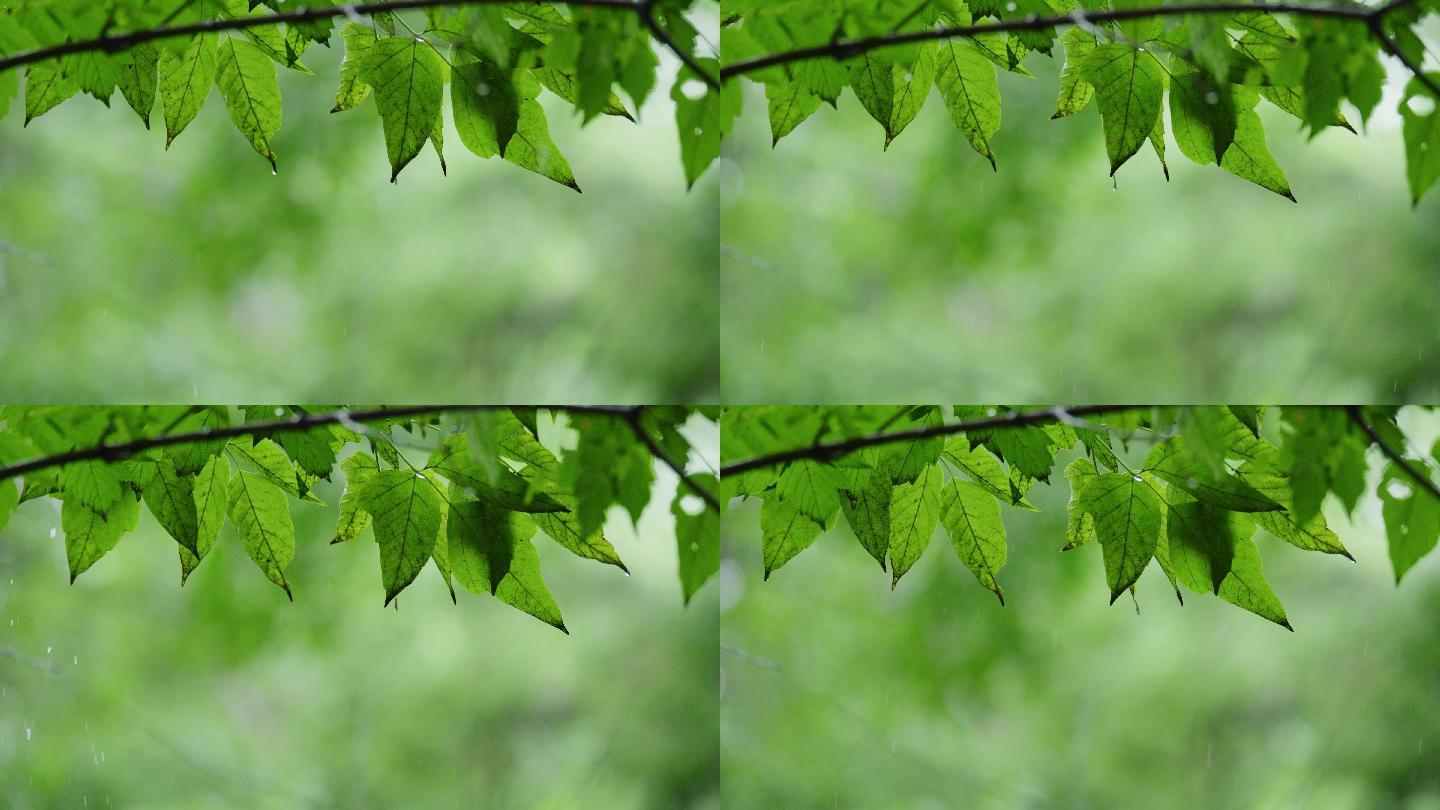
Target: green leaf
(784, 531)
(609, 466)
(409, 81)
(1412, 517)
(1248, 157)
(1245, 586)
(406, 509)
(185, 80)
(210, 491)
(790, 104)
(91, 533)
(478, 537)
(1185, 469)
(1127, 515)
(564, 528)
(482, 540)
(531, 147)
(914, 513)
(353, 89)
(137, 75)
(1129, 84)
(1420, 116)
(269, 460)
(9, 499)
(1311, 535)
(703, 118)
(1079, 523)
(697, 537)
(892, 93)
(971, 515)
(1202, 114)
(246, 78)
(95, 484)
(354, 520)
(867, 510)
(47, 85)
(1200, 541)
(1075, 92)
(261, 514)
(171, 499)
(813, 488)
(966, 80)
(486, 107)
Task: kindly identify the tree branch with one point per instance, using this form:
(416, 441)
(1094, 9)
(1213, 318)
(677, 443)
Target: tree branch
(1392, 47)
(295, 424)
(647, 15)
(844, 49)
(833, 450)
(1357, 415)
(118, 42)
(633, 417)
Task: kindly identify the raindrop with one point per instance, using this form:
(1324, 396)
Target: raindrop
(1399, 490)
(483, 88)
(52, 534)
(1211, 97)
(28, 730)
(279, 411)
(48, 649)
(691, 505)
(1010, 6)
(1420, 105)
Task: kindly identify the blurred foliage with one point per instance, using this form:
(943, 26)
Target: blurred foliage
(131, 274)
(922, 273)
(837, 692)
(130, 691)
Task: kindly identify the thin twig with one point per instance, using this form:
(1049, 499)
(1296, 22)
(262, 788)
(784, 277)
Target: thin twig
(1357, 415)
(633, 418)
(295, 424)
(844, 49)
(833, 450)
(119, 42)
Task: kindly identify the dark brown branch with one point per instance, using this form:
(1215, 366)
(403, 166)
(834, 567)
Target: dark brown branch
(114, 43)
(295, 424)
(647, 15)
(1392, 47)
(633, 417)
(1357, 415)
(844, 49)
(832, 450)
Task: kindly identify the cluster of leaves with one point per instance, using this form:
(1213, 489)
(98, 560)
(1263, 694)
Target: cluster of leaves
(1187, 488)
(486, 487)
(496, 58)
(1215, 67)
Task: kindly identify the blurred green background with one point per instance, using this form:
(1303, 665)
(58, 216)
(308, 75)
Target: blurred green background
(131, 274)
(851, 274)
(838, 693)
(127, 690)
